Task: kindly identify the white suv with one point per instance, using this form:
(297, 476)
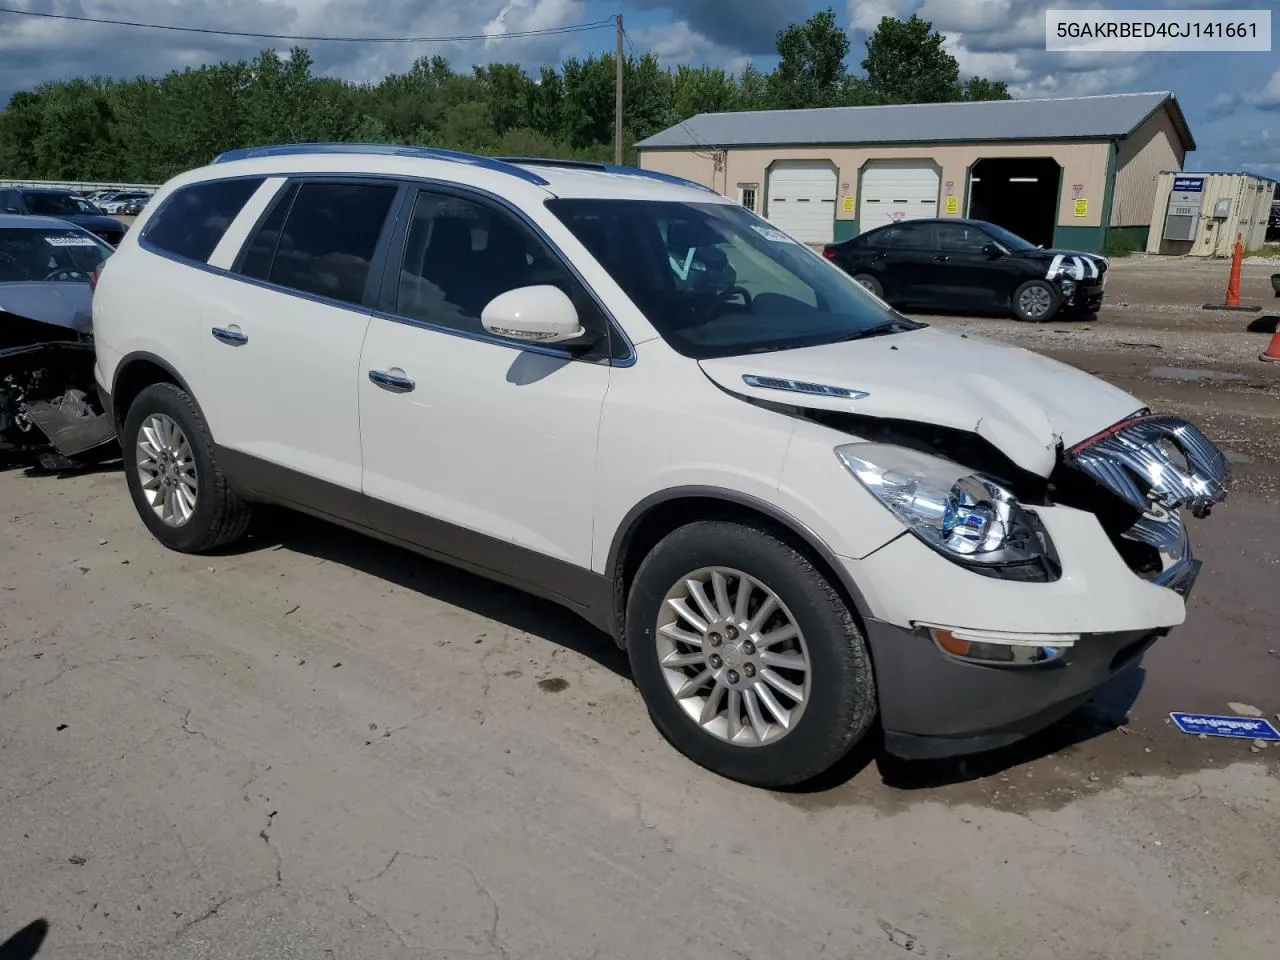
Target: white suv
(795, 508)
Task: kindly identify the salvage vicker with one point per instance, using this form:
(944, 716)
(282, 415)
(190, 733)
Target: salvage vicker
(794, 508)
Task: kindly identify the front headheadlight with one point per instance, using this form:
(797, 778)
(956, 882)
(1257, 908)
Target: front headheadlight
(965, 516)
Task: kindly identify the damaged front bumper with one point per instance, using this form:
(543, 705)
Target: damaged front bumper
(1086, 627)
(48, 404)
(933, 704)
(1082, 296)
(970, 663)
(49, 408)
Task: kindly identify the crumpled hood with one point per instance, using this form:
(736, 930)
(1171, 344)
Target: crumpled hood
(1019, 401)
(66, 305)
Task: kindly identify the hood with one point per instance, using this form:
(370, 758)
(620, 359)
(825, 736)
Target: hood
(1019, 401)
(1082, 266)
(66, 305)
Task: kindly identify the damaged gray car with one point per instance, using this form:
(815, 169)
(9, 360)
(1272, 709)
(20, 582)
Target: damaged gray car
(49, 409)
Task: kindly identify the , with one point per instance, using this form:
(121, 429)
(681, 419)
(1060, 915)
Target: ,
(797, 510)
(971, 265)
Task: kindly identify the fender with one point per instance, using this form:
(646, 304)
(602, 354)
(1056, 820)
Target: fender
(143, 356)
(626, 531)
(131, 358)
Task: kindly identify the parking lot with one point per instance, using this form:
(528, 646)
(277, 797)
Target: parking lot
(318, 746)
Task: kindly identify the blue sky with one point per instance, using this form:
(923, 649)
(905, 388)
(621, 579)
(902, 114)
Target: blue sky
(1232, 101)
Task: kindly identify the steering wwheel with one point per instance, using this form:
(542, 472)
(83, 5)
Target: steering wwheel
(66, 273)
(703, 305)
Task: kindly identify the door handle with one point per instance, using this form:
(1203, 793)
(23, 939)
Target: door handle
(941, 258)
(392, 381)
(233, 336)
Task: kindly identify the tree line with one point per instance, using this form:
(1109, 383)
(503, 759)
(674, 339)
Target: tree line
(146, 129)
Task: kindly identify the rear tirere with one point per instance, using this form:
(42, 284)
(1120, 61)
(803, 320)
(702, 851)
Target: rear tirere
(1035, 301)
(174, 479)
(749, 661)
(870, 282)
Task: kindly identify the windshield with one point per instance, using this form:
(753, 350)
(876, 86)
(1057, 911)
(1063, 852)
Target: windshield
(716, 280)
(57, 204)
(1010, 241)
(54, 255)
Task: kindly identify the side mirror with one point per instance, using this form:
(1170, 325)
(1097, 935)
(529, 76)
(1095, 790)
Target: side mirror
(12, 210)
(537, 314)
(992, 250)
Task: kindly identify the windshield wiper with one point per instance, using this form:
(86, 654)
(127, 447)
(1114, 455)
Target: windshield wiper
(879, 330)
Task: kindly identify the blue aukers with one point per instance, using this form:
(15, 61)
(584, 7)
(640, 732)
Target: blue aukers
(380, 149)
